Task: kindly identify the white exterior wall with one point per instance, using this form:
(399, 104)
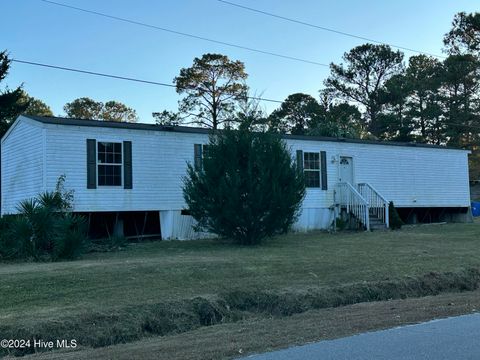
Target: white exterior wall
(159, 161)
(23, 163)
(409, 176)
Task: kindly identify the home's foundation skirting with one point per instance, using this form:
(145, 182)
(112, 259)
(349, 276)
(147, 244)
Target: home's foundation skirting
(314, 219)
(176, 226)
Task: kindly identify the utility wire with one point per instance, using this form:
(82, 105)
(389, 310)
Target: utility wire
(324, 28)
(119, 77)
(134, 22)
(92, 73)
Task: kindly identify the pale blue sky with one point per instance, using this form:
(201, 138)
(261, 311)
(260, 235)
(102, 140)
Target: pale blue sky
(35, 31)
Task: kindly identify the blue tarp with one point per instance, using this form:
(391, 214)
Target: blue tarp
(475, 208)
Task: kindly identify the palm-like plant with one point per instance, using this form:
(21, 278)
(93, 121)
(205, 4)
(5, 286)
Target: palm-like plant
(16, 238)
(44, 226)
(28, 206)
(70, 238)
(51, 200)
(39, 216)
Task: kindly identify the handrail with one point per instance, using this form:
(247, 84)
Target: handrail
(355, 203)
(378, 204)
(373, 189)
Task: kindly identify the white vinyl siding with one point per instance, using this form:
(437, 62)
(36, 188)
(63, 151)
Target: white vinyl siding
(158, 160)
(409, 176)
(23, 164)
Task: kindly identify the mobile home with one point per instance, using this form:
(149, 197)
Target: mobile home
(132, 174)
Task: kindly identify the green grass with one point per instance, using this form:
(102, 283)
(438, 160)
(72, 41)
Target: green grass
(167, 271)
(163, 288)
(258, 335)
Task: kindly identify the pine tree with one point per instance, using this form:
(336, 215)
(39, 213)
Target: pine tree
(247, 188)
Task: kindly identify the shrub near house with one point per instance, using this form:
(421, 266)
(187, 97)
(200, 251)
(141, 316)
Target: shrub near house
(44, 229)
(244, 186)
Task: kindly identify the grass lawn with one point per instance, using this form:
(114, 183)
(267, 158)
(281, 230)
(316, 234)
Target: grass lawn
(232, 340)
(151, 273)
(159, 271)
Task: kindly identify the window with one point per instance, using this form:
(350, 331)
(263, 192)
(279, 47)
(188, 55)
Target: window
(200, 152)
(109, 162)
(205, 149)
(311, 169)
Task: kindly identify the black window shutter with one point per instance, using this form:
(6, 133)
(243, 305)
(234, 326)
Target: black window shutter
(323, 169)
(300, 160)
(197, 154)
(127, 165)
(91, 164)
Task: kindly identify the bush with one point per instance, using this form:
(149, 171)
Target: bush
(395, 220)
(15, 237)
(70, 239)
(44, 228)
(247, 188)
(41, 221)
(340, 224)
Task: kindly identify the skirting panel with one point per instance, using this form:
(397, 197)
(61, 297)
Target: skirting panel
(314, 219)
(175, 226)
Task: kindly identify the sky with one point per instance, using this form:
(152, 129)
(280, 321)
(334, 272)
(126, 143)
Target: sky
(33, 30)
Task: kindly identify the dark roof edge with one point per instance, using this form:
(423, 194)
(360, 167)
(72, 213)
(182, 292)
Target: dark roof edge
(196, 130)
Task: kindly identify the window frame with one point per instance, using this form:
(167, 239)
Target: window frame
(318, 170)
(205, 148)
(120, 164)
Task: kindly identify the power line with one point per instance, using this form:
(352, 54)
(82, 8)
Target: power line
(134, 22)
(118, 77)
(92, 73)
(324, 28)
(126, 78)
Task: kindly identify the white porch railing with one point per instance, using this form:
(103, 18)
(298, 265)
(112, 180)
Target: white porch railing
(354, 203)
(378, 204)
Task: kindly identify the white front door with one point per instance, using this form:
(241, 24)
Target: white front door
(346, 169)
